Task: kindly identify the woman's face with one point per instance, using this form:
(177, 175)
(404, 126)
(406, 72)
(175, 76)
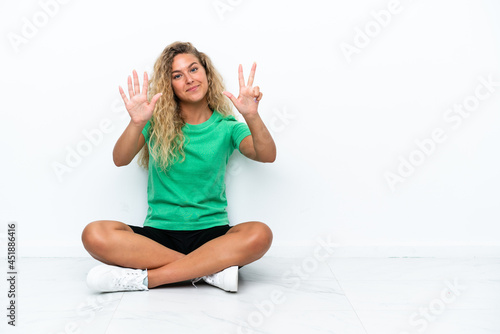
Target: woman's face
(189, 79)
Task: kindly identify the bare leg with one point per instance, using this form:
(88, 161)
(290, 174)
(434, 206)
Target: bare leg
(241, 245)
(115, 243)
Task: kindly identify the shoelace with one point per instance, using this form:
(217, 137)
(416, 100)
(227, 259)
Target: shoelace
(209, 279)
(124, 281)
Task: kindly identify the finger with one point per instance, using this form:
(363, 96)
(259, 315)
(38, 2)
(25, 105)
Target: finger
(154, 99)
(122, 93)
(230, 96)
(130, 90)
(256, 91)
(145, 85)
(260, 97)
(240, 76)
(137, 90)
(252, 74)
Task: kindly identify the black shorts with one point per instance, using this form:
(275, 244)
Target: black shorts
(181, 241)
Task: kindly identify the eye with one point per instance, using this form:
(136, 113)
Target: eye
(177, 76)
(194, 69)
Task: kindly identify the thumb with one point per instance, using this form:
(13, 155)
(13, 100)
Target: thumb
(230, 96)
(154, 99)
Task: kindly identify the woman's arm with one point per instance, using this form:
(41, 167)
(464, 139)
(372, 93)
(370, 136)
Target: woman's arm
(140, 110)
(260, 145)
(128, 145)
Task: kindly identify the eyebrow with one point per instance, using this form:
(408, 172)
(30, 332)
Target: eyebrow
(186, 67)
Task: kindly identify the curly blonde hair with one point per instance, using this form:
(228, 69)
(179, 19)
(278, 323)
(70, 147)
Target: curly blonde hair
(166, 140)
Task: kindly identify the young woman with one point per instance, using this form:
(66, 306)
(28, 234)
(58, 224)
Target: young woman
(186, 133)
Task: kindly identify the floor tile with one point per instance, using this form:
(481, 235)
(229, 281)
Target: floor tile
(408, 295)
(447, 321)
(276, 295)
(389, 269)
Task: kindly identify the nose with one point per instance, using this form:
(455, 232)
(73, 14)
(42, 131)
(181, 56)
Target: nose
(189, 79)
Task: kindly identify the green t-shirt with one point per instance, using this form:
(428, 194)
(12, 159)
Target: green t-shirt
(191, 195)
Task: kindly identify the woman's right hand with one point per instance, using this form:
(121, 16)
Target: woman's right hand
(138, 107)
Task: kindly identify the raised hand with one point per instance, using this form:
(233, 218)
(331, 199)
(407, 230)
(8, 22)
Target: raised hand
(138, 107)
(247, 102)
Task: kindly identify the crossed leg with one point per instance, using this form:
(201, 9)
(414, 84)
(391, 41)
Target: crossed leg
(115, 243)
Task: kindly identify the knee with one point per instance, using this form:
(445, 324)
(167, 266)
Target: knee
(93, 236)
(261, 237)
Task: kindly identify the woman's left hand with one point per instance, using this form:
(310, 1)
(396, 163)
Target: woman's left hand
(249, 97)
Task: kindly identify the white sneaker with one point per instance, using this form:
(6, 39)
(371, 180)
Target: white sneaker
(226, 279)
(106, 278)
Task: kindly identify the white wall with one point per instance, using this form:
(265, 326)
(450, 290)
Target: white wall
(340, 122)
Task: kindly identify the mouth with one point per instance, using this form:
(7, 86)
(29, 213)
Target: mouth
(192, 89)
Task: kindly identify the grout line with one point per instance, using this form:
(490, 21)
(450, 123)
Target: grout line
(114, 312)
(345, 294)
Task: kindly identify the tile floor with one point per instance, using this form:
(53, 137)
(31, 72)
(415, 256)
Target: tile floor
(276, 295)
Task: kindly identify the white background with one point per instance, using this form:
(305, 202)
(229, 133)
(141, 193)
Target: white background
(340, 123)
